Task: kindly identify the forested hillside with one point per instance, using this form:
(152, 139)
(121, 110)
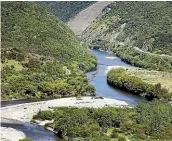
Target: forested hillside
(40, 55)
(66, 9)
(139, 32)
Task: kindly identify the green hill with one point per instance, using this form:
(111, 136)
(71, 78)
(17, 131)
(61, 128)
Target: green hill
(139, 32)
(41, 56)
(66, 9)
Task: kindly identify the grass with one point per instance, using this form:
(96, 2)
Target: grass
(17, 65)
(153, 77)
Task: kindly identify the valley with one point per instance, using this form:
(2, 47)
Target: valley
(89, 76)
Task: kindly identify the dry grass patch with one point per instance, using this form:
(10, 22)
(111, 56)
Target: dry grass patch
(153, 77)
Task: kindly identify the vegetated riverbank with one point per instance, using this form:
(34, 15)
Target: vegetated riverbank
(143, 59)
(121, 79)
(147, 121)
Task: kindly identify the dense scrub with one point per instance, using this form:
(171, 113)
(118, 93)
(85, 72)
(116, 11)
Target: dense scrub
(66, 9)
(120, 79)
(144, 60)
(139, 32)
(40, 55)
(146, 121)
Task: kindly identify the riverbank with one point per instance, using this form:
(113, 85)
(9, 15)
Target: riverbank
(119, 78)
(25, 112)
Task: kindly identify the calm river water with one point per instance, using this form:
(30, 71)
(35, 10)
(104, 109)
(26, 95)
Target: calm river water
(98, 79)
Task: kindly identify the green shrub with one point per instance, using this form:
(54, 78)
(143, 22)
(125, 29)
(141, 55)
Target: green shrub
(26, 139)
(44, 115)
(114, 134)
(121, 138)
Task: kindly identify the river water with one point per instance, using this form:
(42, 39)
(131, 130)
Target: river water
(35, 132)
(97, 78)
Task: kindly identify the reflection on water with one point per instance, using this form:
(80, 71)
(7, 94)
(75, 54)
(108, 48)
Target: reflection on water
(98, 79)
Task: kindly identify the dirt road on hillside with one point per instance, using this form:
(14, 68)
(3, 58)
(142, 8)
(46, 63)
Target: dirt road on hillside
(83, 19)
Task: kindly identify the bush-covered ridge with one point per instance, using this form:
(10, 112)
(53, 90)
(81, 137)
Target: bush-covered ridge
(66, 9)
(147, 121)
(41, 56)
(120, 79)
(126, 26)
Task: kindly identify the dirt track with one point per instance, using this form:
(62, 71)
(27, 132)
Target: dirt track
(83, 19)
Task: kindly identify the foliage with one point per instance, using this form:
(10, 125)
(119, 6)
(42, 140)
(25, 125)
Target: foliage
(66, 9)
(26, 139)
(146, 121)
(121, 138)
(120, 79)
(41, 55)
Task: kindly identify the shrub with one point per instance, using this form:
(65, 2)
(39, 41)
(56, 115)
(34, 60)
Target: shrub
(121, 138)
(26, 139)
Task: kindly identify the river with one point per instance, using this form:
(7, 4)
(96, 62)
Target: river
(96, 78)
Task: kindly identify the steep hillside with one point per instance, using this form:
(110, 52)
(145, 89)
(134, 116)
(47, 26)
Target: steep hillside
(138, 32)
(84, 18)
(66, 9)
(40, 55)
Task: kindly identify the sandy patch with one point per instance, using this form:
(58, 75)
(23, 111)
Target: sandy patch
(25, 112)
(10, 134)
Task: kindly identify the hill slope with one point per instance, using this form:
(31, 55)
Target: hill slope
(40, 55)
(138, 32)
(84, 18)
